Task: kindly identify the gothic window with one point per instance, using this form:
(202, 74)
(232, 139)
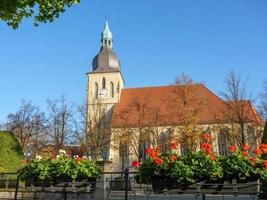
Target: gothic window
(109, 43)
(111, 89)
(118, 87)
(96, 90)
(142, 149)
(222, 143)
(165, 141)
(123, 150)
(103, 83)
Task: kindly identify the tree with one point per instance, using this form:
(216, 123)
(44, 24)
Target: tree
(264, 139)
(60, 123)
(240, 123)
(98, 131)
(14, 11)
(28, 125)
(263, 101)
(189, 109)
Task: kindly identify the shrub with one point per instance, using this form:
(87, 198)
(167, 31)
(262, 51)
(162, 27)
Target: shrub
(10, 152)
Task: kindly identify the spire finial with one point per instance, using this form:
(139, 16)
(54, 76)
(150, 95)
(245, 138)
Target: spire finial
(106, 35)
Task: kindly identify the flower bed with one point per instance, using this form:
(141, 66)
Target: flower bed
(169, 171)
(47, 171)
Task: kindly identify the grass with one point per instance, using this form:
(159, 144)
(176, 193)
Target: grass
(10, 152)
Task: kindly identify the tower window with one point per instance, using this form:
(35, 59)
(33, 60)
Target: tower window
(103, 83)
(111, 89)
(96, 91)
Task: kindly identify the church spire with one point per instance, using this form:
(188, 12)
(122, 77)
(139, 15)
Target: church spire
(106, 36)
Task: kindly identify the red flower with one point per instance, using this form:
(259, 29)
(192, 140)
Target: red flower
(79, 158)
(206, 146)
(232, 148)
(136, 164)
(173, 158)
(149, 151)
(208, 151)
(158, 161)
(245, 153)
(213, 157)
(264, 164)
(263, 147)
(158, 149)
(154, 154)
(253, 160)
(257, 152)
(207, 136)
(245, 147)
(174, 146)
(23, 162)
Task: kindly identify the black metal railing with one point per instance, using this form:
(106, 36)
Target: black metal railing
(126, 184)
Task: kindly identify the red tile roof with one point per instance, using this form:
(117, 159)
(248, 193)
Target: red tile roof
(161, 106)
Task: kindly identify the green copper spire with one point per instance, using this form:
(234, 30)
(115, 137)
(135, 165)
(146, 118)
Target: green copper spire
(106, 36)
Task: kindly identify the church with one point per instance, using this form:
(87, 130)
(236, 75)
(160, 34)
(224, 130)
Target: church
(129, 120)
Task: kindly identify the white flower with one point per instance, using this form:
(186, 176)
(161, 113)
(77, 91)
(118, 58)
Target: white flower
(75, 156)
(61, 151)
(58, 156)
(85, 157)
(38, 157)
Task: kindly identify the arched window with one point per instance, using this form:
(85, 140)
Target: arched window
(111, 89)
(103, 83)
(223, 141)
(96, 90)
(165, 141)
(118, 87)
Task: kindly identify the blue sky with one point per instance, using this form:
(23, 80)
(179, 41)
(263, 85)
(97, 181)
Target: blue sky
(156, 40)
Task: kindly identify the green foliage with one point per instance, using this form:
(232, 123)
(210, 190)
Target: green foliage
(14, 11)
(238, 166)
(200, 166)
(203, 166)
(48, 168)
(10, 152)
(182, 172)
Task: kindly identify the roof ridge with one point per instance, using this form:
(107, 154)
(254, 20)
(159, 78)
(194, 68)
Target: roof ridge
(160, 86)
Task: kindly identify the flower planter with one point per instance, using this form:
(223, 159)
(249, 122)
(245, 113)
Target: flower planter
(248, 186)
(62, 183)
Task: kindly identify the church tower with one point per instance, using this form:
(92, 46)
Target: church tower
(105, 82)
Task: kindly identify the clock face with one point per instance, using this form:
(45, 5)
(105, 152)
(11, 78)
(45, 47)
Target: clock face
(102, 94)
